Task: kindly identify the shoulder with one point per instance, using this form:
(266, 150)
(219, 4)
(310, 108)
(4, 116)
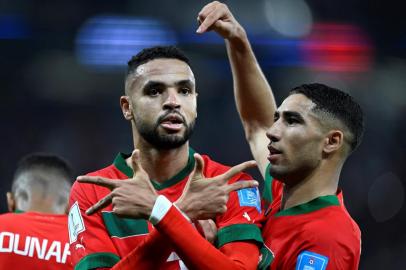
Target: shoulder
(334, 227)
(6, 218)
(88, 192)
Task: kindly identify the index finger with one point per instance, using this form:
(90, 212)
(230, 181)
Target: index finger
(97, 180)
(237, 169)
(100, 205)
(214, 15)
(241, 185)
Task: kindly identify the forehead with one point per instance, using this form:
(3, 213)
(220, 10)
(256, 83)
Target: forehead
(162, 70)
(298, 103)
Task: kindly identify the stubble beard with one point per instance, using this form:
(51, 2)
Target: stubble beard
(163, 141)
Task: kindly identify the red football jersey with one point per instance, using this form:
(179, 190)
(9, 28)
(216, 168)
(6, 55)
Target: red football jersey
(34, 240)
(319, 234)
(100, 240)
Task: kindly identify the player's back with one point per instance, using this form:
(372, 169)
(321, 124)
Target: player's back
(34, 240)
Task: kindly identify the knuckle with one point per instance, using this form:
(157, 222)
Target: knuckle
(223, 209)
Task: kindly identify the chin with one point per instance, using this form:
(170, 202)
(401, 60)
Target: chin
(276, 172)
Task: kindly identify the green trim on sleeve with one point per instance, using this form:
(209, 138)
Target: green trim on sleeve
(238, 232)
(121, 165)
(313, 205)
(266, 258)
(97, 260)
(124, 227)
(267, 192)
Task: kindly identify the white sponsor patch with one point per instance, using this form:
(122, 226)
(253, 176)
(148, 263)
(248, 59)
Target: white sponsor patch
(75, 223)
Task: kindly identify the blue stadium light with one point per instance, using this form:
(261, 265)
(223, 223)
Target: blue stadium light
(108, 42)
(13, 27)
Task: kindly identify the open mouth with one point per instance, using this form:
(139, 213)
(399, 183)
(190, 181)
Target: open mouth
(172, 122)
(273, 151)
(273, 154)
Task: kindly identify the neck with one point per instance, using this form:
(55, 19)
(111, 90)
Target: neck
(320, 182)
(161, 165)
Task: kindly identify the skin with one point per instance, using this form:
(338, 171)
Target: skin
(162, 88)
(175, 95)
(313, 154)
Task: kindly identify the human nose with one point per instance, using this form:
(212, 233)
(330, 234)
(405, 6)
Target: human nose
(274, 132)
(171, 101)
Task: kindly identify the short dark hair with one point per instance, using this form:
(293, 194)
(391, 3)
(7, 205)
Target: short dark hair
(44, 162)
(338, 104)
(148, 54)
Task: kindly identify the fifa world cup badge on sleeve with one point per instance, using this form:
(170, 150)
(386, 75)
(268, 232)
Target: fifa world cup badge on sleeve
(311, 261)
(249, 197)
(75, 223)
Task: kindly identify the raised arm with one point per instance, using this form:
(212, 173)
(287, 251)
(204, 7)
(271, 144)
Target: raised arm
(253, 95)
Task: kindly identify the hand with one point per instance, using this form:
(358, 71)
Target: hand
(217, 17)
(203, 198)
(208, 229)
(133, 198)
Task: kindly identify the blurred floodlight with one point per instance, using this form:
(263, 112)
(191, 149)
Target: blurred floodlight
(385, 197)
(110, 41)
(291, 18)
(13, 27)
(338, 48)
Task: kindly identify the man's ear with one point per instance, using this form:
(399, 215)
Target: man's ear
(11, 203)
(333, 141)
(126, 107)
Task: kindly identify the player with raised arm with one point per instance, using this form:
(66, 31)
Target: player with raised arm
(300, 149)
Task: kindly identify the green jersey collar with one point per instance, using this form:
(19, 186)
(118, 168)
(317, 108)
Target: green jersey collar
(121, 165)
(313, 205)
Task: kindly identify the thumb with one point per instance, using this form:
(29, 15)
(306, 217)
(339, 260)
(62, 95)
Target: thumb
(135, 161)
(197, 172)
(199, 165)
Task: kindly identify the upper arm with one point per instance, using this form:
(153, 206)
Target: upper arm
(90, 244)
(258, 142)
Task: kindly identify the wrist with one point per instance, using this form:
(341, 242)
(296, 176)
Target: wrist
(239, 40)
(160, 209)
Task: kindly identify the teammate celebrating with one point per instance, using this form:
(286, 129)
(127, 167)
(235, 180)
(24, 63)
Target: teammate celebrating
(303, 144)
(34, 235)
(160, 103)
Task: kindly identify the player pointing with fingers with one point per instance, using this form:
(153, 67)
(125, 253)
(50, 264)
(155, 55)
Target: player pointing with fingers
(160, 103)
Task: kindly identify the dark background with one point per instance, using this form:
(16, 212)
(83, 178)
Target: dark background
(62, 69)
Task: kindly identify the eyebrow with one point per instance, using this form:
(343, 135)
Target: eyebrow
(159, 84)
(287, 114)
(153, 84)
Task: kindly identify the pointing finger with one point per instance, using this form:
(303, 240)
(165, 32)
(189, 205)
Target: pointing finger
(237, 169)
(97, 180)
(241, 185)
(100, 204)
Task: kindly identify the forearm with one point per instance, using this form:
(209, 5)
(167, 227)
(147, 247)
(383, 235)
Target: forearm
(152, 253)
(254, 98)
(196, 252)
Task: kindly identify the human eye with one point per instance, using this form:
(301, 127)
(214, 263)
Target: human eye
(185, 91)
(275, 117)
(152, 92)
(292, 120)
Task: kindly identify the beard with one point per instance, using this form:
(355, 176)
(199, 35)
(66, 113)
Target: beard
(165, 141)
